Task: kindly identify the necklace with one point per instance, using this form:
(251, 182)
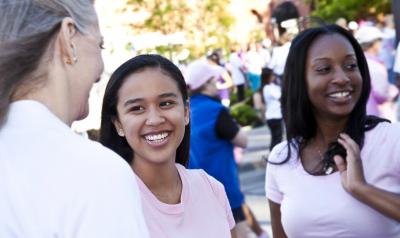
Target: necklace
(170, 196)
(327, 167)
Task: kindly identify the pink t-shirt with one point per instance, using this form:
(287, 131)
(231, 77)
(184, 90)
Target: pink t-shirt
(318, 206)
(204, 209)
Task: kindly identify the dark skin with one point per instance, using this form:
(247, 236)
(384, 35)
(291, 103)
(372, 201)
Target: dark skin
(334, 85)
(277, 228)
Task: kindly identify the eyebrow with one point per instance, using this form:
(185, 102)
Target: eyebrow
(136, 100)
(326, 58)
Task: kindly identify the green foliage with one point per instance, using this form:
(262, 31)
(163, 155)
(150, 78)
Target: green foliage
(331, 10)
(204, 22)
(166, 16)
(244, 114)
(248, 95)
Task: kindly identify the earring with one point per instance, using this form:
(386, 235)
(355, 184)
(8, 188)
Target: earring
(121, 132)
(74, 58)
(68, 60)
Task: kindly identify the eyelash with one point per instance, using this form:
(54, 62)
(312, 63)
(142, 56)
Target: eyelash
(162, 104)
(352, 66)
(136, 108)
(324, 70)
(167, 103)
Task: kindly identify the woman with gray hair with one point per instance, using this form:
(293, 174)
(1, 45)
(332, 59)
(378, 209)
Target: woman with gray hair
(54, 183)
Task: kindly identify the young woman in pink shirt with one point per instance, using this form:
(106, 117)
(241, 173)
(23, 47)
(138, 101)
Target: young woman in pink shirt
(145, 119)
(338, 173)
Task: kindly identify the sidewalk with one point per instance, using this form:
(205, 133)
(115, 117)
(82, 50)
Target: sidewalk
(252, 174)
(257, 149)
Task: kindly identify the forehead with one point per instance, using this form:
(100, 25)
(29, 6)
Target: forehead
(149, 81)
(330, 46)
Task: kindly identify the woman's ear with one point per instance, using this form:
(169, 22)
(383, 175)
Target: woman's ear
(118, 127)
(65, 41)
(187, 113)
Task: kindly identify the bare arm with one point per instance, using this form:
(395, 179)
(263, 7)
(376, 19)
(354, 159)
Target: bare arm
(240, 139)
(277, 228)
(354, 182)
(383, 201)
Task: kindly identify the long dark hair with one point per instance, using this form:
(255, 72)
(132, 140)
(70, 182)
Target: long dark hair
(108, 134)
(296, 106)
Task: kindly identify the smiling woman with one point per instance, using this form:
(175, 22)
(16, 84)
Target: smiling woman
(50, 56)
(338, 173)
(145, 119)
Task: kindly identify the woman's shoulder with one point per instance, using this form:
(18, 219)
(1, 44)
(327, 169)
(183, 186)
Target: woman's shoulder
(83, 155)
(280, 151)
(200, 179)
(385, 130)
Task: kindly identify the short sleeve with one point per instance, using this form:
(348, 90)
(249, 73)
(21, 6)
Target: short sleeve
(272, 190)
(220, 193)
(226, 127)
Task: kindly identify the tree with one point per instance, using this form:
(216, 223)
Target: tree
(205, 22)
(331, 10)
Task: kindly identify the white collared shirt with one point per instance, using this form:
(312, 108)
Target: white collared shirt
(55, 183)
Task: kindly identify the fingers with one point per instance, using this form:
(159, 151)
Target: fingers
(348, 143)
(340, 164)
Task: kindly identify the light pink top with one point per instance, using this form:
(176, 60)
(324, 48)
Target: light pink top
(318, 206)
(204, 209)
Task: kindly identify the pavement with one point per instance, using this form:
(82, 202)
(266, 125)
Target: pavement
(252, 173)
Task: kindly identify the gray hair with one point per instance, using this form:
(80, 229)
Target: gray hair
(27, 28)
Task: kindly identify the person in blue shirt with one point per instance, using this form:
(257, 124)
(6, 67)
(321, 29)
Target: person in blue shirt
(214, 133)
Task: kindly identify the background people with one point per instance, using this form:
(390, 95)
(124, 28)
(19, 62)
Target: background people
(337, 175)
(273, 115)
(237, 69)
(381, 99)
(145, 119)
(214, 133)
(53, 182)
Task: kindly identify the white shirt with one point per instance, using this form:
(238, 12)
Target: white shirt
(278, 60)
(236, 64)
(254, 61)
(272, 96)
(318, 206)
(55, 183)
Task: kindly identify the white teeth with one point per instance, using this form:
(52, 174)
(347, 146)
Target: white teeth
(340, 94)
(156, 137)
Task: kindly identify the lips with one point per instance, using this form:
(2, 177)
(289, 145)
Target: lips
(157, 138)
(341, 94)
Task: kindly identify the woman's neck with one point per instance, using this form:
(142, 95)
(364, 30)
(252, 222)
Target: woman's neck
(162, 180)
(328, 131)
(51, 92)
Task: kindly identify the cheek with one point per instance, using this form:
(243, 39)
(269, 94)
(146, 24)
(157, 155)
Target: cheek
(100, 63)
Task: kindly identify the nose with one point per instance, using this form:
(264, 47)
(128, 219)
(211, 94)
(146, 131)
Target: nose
(340, 76)
(154, 117)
